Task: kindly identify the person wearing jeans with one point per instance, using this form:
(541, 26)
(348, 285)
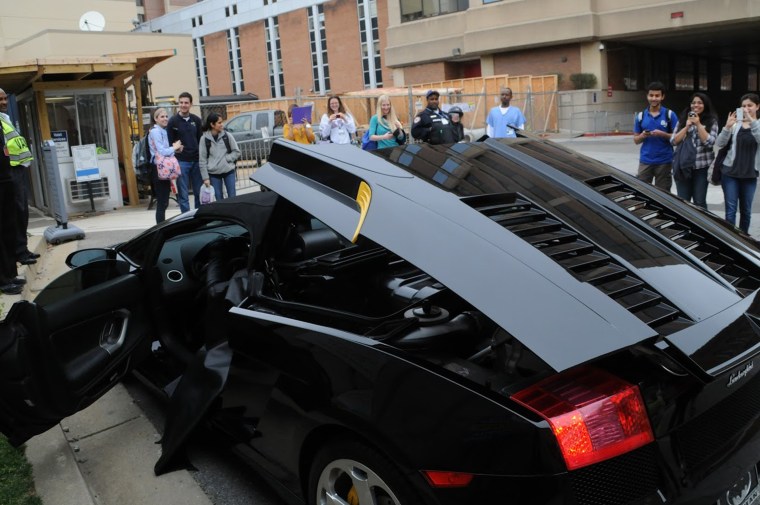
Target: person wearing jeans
(740, 168)
(186, 127)
(218, 153)
(738, 193)
(699, 125)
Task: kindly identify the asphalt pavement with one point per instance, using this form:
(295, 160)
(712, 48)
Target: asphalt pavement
(105, 454)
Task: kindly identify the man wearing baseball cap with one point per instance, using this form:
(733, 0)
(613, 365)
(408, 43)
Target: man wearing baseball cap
(432, 125)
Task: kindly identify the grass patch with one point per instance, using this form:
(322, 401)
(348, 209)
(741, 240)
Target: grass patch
(16, 481)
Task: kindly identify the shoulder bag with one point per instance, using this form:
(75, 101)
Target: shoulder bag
(684, 159)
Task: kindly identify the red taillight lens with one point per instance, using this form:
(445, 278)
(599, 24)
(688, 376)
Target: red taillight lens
(447, 479)
(594, 415)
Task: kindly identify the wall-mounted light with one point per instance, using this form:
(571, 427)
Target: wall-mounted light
(601, 46)
(456, 51)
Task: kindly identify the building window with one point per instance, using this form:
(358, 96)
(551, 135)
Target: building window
(703, 74)
(752, 78)
(274, 58)
(369, 36)
(684, 70)
(201, 71)
(230, 10)
(79, 119)
(416, 9)
(236, 60)
(725, 77)
(318, 44)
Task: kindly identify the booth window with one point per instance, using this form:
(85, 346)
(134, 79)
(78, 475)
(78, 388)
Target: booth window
(80, 119)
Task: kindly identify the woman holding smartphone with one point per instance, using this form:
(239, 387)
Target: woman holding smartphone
(337, 125)
(697, 124)
(740, 169)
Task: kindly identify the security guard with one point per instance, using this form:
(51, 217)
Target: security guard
(20, 158)
(432, 125)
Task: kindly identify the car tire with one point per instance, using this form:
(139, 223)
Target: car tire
(346, 471)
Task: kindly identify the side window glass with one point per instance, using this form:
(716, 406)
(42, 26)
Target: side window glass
(261, 120)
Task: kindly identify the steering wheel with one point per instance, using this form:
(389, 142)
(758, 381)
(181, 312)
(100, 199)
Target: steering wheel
(232, 252)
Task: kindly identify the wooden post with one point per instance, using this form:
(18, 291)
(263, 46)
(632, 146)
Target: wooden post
(138, 107)
(126, 144)
(42, 115)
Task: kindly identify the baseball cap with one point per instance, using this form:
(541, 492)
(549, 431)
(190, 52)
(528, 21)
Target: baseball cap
(432, 92)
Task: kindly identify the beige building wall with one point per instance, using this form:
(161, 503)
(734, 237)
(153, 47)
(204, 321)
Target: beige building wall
(506, 26)
(34, 16)
(169, 77)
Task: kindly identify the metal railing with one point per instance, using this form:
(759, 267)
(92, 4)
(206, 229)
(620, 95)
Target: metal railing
(253, 154)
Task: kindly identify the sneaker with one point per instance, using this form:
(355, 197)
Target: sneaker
(32, 255)
(11, 289)
(18, 281)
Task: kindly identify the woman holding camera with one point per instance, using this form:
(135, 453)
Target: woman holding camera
(739, 177)
(337, 125)
(697, 124)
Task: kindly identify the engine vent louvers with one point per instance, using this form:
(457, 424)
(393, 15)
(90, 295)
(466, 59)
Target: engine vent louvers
(581, 257)
(686, 234)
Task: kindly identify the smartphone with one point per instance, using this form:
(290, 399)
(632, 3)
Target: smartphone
(692, 114)
(739, 114)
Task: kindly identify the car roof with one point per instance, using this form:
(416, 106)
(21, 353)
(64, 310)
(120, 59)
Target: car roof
(419, 210)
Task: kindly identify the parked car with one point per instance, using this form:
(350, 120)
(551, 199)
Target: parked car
(255, 131)
(254, 124)
(503, 321)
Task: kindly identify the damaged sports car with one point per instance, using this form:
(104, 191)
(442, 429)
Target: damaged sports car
(503, 321)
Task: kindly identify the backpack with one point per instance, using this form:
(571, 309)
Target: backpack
(640, 117)
(226, 139)
(141, 156)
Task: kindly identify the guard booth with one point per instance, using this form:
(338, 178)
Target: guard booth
(80, 101)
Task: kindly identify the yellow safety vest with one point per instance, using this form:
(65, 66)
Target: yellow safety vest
(18, 149)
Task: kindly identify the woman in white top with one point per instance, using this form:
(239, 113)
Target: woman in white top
(337, 125)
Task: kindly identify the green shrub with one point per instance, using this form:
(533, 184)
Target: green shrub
(583, 80)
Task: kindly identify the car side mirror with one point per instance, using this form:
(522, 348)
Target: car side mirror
(85, 256)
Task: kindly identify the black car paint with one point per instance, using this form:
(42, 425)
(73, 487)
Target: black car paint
(294, 382)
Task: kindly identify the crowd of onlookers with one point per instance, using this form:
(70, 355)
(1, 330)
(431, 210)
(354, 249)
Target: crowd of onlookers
(688, 148)
(696, 135)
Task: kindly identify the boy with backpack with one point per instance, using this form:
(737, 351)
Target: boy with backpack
(653, 128)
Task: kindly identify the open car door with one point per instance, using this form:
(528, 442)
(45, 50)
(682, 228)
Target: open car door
(63, 351)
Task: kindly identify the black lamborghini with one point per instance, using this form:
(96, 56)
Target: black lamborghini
(503, 321)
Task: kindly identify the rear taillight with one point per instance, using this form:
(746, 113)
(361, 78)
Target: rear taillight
(594, 415)
(447, 479)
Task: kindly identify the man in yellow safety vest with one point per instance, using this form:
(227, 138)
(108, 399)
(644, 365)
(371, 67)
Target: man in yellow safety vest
(20, 157)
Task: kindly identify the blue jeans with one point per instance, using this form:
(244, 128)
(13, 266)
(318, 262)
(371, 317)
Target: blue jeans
(228, 180)
(741, 191)
(695, 189)
(191, 175)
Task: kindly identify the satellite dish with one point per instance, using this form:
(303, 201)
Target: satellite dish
(92, 21)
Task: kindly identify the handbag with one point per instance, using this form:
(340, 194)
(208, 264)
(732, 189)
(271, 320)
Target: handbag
(367, 144)
(684, 159)
(717, 164)
(167, 167)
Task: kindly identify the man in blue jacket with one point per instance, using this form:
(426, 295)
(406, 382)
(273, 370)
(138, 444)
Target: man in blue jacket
(186, 127)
